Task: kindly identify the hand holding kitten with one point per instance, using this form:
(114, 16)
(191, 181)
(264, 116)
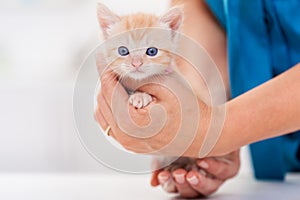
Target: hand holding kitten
(156, 144)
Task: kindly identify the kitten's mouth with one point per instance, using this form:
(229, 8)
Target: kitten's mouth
(137, 71)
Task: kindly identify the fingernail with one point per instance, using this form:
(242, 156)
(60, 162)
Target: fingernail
(201, 171)
(203, 164)
(162, 178)
(193, 180)
(179, 178)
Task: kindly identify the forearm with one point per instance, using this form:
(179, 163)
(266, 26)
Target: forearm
(272, 109)
(200, 25)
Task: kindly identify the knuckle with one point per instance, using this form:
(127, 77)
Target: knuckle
(169, 187)
(223, 172)
(104, 76)
(219, 170)
(128, 147)
(126, 144)
(233, 173)
(100, 100)
(104, 86)
(210, 191)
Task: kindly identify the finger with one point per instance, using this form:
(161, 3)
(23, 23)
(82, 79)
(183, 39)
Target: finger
(104, 125)
(100, 119)
(105, 109)
(111, 87)
(106, 115)
(166, 181)
(202, 184)
(128, 142)
(156, 166)
(221, 169)
(154, 178)
(163, 176)
(183, 187)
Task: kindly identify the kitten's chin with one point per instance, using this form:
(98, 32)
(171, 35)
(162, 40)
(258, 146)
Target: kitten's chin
(141, 76)
(138, 75)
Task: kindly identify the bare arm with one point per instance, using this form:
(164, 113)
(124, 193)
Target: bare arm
(200, 25)
(269, 110)
(272, 109)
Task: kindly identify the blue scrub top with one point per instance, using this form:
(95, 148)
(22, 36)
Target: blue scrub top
(263, 41)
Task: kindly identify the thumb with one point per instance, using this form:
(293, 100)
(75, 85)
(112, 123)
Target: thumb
(154, 178)
(110, 87)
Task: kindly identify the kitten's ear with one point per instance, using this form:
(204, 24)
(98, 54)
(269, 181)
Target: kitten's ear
(106, 18)
(173, 18)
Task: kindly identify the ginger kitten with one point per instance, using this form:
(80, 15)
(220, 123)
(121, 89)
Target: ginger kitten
(141, 53)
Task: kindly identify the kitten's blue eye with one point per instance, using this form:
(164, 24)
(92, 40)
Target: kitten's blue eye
(123, 51)
(152, 51)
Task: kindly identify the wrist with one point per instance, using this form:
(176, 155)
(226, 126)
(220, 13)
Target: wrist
(228, 140)
(196, 145)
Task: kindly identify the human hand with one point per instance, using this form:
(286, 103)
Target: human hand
(213, 173)
(133, 128)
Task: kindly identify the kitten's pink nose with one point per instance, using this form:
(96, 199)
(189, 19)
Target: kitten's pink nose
(136, 62)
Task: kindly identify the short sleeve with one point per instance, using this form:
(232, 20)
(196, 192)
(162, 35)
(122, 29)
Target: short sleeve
(218, 9)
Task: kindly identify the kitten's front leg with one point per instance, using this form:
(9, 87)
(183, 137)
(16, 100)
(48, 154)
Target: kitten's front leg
(140, 99)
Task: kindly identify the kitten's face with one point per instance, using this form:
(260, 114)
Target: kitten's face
(138, 52)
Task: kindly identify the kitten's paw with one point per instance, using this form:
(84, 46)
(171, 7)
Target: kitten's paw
(140, 100)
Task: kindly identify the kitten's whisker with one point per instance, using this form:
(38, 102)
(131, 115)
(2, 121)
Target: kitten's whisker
(114, 67)
(157, 77)
(123, 64)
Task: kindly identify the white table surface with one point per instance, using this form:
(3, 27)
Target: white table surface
(131, 187)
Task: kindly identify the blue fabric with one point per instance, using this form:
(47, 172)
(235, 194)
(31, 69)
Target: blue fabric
(263, 41)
